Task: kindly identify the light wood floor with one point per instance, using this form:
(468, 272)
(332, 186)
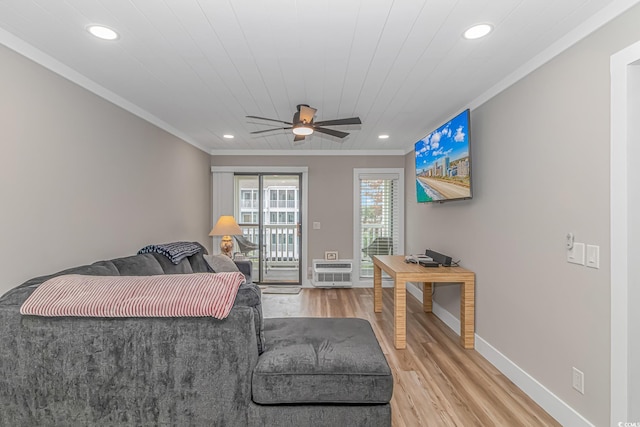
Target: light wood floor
(436, 381)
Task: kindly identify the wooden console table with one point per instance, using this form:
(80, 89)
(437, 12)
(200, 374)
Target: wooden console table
(403, 272)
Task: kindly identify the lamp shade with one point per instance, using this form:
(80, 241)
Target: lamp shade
(226, 226)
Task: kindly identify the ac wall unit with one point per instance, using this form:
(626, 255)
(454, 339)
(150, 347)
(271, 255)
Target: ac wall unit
(332, 274)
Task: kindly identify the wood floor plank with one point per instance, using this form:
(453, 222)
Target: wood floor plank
(436, 381)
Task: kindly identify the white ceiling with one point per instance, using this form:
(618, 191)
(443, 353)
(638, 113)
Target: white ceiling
(197, 68)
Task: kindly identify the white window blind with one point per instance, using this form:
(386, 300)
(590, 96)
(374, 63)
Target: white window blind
(380, 223)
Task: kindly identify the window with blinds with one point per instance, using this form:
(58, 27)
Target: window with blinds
(379, 221)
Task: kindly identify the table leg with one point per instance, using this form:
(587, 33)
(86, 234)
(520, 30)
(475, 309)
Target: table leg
(377, 289)
(467, 314)
(400, 314)
(427, 303)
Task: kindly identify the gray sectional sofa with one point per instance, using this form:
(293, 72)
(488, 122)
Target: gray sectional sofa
(240, 371)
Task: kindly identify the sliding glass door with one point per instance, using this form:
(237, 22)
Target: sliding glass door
(268, 210)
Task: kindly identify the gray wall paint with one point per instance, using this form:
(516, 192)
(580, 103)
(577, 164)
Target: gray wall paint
(330, 194)
(83, 180)
(540, 169)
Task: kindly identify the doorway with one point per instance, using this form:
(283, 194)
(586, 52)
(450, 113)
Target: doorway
(268, 209)
(625, 235)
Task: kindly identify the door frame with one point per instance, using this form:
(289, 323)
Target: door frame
(357, 172)
(264, 240)
(304, 170)
(619, 187)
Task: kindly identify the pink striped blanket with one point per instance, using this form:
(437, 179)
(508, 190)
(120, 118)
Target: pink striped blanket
(172, 295)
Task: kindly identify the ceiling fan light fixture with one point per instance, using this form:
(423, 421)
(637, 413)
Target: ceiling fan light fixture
(302, 129)
(303, 125)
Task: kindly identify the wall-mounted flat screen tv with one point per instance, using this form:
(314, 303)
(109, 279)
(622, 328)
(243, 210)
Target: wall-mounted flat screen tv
(443, 162)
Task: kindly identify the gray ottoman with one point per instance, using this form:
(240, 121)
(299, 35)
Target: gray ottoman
(310, 365)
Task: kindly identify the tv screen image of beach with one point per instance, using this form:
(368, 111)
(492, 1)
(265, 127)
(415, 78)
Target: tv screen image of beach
(443, 169)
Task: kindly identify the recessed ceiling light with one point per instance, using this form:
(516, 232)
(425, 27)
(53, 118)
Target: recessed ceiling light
(383, 136)
(228, 136)
(102, 32)
(477, 31)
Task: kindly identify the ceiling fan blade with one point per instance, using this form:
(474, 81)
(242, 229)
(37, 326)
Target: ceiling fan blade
(306, 113)
(331, 132)
(298, 138)
(337, 122)
(269, 130)
(271, 120)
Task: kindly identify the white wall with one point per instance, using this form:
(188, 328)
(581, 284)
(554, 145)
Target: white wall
(540, 169)
(83, 180)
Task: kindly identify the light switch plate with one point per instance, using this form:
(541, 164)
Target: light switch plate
(316, 225)
(577, 380)
(593, 256)
(575, 255)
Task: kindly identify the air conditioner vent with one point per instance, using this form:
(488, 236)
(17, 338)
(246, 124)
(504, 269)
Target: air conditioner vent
(332, 274)
(334, 265)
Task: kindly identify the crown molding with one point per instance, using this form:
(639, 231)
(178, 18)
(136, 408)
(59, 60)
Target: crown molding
(588, 27)
(16, 44)
(585, 29)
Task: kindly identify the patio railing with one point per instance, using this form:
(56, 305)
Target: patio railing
(370, 232)
(281, 247)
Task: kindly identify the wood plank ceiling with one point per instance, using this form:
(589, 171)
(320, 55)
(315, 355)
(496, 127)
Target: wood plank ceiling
(197, 68)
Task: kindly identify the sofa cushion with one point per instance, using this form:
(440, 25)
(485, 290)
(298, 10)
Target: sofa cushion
(101, 268)
(221, 263)
(138, 265)
(198, 264)
(321, 360)
(183, 267)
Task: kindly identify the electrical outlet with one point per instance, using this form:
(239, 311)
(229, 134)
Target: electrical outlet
(310, 273)
(578, 380)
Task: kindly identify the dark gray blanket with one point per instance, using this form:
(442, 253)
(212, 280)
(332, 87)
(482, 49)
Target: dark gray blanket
(175, 251)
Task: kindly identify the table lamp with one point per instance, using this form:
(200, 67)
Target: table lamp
(226, 227)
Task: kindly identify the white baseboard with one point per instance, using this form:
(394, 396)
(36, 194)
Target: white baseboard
(551, 403)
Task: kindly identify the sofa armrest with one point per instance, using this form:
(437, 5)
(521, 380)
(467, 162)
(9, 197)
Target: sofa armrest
(245, 266)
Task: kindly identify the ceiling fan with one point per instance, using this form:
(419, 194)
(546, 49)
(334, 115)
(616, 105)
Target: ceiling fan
(303, 124)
